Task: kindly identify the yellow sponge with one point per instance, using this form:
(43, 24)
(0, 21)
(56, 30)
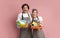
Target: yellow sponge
(35, 23)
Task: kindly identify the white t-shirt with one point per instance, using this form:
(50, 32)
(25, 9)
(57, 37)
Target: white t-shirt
(24, 15)
(40, 19)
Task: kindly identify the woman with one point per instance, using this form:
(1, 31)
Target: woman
(37, 33)
(25, 32)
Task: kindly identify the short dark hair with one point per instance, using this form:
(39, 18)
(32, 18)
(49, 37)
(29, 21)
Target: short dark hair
(34, 10)
(25, 5)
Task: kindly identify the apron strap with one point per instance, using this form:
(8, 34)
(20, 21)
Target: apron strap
(33, 18)
(23, 17)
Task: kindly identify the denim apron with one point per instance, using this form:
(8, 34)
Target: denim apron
(37, 33)
(25, 32)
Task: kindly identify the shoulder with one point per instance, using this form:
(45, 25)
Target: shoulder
(40, 18)
(20, 14)
(29, 13)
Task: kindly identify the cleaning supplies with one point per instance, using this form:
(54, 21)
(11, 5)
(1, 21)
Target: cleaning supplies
(34, 23)
(36, 26)
(22, 24)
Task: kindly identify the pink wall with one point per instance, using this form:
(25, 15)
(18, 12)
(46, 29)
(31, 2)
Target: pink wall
(49, 9)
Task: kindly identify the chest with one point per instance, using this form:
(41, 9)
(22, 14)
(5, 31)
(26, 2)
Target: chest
(35, 19)
(26, 17)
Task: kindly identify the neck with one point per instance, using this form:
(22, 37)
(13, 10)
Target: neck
(34, 17)
(25, 11)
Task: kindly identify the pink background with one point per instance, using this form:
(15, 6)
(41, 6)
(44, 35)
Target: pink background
(49, 9)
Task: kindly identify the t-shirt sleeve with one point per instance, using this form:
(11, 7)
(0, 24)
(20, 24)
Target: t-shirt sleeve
(19, 16)
(40, 19)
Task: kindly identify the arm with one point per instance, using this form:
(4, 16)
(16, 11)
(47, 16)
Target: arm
(41, 21)
(18, 19)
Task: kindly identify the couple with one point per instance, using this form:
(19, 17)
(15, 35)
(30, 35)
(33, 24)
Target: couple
(27, 32)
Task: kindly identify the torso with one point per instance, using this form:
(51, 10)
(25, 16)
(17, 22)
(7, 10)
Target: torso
(38, 19)
(26, 17)
(35, 19)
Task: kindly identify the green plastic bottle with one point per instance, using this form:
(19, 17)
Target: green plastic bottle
(19, 24)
